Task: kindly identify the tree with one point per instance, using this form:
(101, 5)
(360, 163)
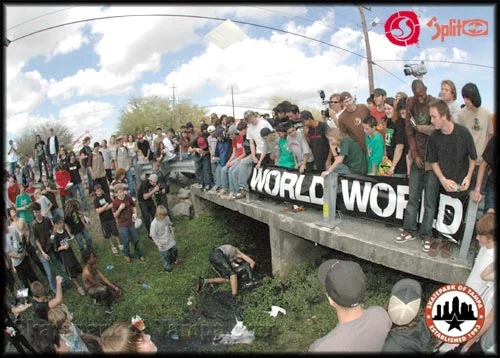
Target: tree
(26, 141)
(155, 111)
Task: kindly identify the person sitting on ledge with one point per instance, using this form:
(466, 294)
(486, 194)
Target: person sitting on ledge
(224, 260)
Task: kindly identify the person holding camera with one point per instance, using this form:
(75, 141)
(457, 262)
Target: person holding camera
(148, 189)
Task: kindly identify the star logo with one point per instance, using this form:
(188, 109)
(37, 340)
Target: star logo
(454, 323)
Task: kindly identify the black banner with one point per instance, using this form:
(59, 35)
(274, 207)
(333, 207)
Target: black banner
(376, 198)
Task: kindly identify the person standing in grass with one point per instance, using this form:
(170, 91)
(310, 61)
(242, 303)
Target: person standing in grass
(162, 233)
(74, 223)
(103, 207)
(62, 247)
(125, 213)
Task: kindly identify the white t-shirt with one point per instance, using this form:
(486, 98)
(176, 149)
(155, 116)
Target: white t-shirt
(299, 147)
(484, 258)
(253, 132)
(73, 340)
(454, 110)
(169, 149)
(44, 203)
(12, 156)
(13, 243)
(160, 230)
(52, 145)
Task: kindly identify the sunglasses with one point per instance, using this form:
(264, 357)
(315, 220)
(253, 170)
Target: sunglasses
(334, 101)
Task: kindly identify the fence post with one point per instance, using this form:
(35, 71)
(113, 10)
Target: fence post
(330, 201)
(470, 222)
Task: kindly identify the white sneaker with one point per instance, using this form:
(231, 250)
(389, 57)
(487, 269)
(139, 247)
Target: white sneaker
(81, 291)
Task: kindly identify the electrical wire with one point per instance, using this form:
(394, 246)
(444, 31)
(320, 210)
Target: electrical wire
(440, 61)
(35, 18)
(206, 18)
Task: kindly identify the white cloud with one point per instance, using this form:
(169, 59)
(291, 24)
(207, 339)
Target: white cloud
(442, 54)
(17, 123)
(86, 115)
(69, 44)
(25, 93)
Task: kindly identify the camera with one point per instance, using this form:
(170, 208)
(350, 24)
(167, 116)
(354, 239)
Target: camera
(325, 113)
(415, 69)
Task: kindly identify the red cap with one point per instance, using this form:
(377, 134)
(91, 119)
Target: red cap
(202, 143)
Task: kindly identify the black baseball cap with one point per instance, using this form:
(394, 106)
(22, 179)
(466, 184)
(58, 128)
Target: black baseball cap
(344, 282)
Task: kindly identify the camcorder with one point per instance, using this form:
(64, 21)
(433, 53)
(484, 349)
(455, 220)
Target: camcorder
(324, 112)
(415, 69)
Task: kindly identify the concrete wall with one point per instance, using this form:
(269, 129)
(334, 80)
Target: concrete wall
(292, 237)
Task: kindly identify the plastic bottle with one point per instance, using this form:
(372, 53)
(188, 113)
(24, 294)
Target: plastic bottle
(109, 267)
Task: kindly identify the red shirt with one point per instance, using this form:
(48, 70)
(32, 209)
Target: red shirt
(380, 117)
(31, 191)
(62, 179)
(125, 217)
(13, 191)
(238, 144)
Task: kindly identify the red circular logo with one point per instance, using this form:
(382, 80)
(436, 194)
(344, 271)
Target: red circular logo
(402, 28)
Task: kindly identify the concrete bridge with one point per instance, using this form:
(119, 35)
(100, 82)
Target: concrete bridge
(301, 236)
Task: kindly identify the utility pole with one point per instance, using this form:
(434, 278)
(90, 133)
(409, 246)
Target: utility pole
(173, 104)
(368, 50)
(232, 99)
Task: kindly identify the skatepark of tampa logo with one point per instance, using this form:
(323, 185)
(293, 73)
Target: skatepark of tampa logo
(454, 313)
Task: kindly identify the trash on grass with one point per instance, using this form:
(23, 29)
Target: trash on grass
(275, 310)
(239, 334)
(109, 267)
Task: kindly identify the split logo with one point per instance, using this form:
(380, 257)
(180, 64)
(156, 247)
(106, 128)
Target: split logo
(457, 27)
(454, 313)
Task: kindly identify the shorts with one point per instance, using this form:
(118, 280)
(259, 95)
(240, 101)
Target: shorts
(221, 263)
(109, 228)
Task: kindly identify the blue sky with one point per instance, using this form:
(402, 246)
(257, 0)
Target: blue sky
(83, 75)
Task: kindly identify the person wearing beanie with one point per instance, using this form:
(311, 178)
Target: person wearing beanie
(409, 332)
(477, 120)
(359, 329)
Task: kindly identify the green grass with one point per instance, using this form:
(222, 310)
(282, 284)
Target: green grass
(164, 305)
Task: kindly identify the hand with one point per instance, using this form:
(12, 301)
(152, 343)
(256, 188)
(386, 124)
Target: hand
(46, 257)
(324, 174)
(302, 168)
(122, 206)
(449, 185)
(477, 196)
(257, 166)
(59, 279)
(229, 164)
(419, 162)
(255, 160)
(465, 184)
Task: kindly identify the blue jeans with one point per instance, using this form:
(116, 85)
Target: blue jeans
(77, 189)
(90, 182)
(53, 163)
(168, 257)
(128, 233)
(490, 197)
(203, 170)
(79, 239)
(244, 171)
(227, 176)
(130, 181)
(59, 268)
(12, 168)
(48, 272)
(421, 180)
(186, 155)
(218, 175)
(213, 169)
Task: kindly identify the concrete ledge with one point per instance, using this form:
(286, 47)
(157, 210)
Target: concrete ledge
(365, 239)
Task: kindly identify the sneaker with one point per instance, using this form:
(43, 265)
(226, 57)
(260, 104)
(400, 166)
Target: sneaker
(120, 247)
(114, 250)
(81, 291)
(231, 196)
(404, 237)
(128, 259)
(108, 310)
(200, 284)
(240, 194)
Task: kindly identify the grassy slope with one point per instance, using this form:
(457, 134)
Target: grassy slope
(308, 314)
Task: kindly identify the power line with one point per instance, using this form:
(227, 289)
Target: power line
(206, 18)
(440, 61)
(35, 18)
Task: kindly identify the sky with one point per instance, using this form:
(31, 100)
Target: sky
(83, 74)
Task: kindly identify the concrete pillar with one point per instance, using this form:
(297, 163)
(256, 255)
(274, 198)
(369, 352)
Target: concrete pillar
(288, 250)
(199, 204)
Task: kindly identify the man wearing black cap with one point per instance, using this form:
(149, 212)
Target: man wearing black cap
(359, 329)
(318, 142)
(96, 168)
(84, 158)
(351, 120)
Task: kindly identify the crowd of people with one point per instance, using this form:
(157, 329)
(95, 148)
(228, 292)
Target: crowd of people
(433, 142)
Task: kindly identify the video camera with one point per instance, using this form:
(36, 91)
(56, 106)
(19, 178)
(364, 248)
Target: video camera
(325, 113)
(415, 69)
